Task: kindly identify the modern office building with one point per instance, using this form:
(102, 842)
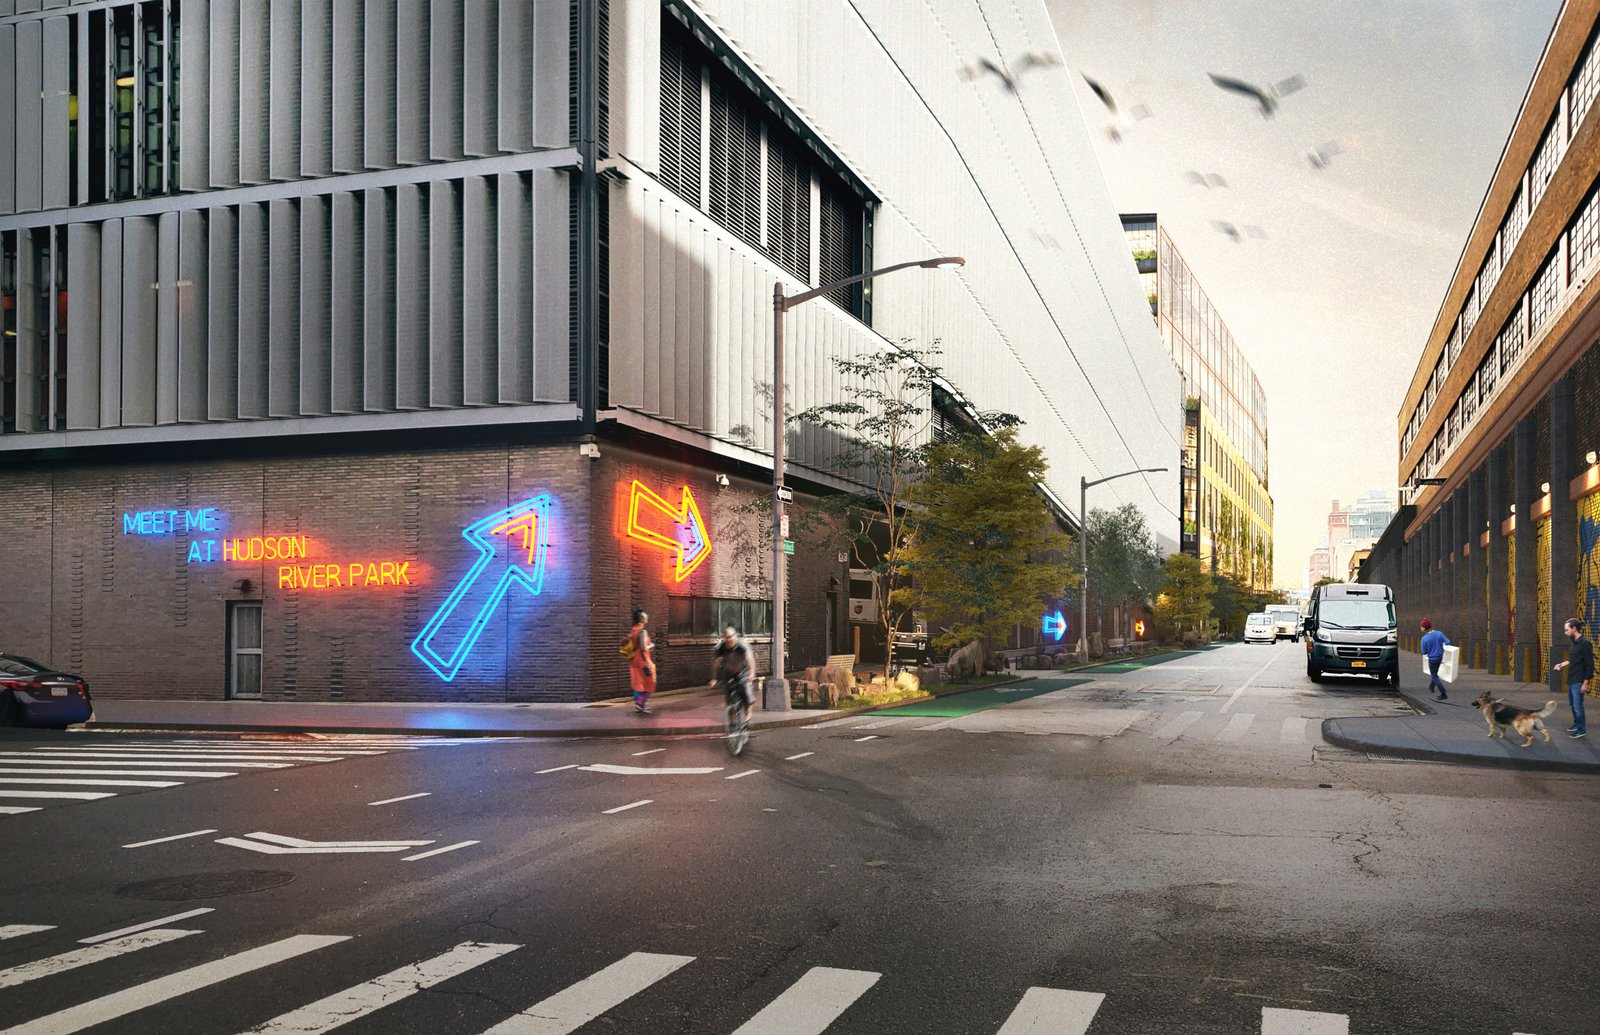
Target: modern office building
(1500, 427)
(1227, 502)
(398, 349)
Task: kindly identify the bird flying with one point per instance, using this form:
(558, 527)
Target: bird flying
(1322, 157)
(1265, 96)
(1206, 180)
(1021, 66)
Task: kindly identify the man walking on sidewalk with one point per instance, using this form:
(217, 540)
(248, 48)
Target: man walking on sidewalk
(1433, 644)
(1580, 669)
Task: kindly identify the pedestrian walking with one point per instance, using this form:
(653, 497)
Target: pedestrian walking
(641, 661)
(1433, 644)
(1580, 670)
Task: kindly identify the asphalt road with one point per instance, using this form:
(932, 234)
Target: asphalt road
(1168, 849)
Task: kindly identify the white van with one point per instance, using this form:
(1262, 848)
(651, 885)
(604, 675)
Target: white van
(1259, 628)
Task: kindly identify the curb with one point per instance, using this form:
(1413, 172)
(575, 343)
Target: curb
(1530, 763)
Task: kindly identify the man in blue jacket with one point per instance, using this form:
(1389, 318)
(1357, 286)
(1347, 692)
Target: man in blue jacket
(1580, 670)
(1433, 644)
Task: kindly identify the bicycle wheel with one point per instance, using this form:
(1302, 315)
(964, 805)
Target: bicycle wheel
(736, 726)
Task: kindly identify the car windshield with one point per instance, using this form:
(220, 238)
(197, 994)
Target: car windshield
(14, 665)
(1260, 620)
(1356, 614)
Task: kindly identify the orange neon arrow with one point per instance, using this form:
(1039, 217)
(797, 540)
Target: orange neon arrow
(687, 555)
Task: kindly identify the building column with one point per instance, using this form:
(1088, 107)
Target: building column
(1455, 571)
(1525, 490)
(1563, 573)
(1498, 500)
(1476, 648)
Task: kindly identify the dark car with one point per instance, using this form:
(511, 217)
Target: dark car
(1350, 630)
(34, 694)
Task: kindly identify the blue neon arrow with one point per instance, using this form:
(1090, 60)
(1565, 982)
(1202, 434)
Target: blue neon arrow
(1054, 625)
(526, 531)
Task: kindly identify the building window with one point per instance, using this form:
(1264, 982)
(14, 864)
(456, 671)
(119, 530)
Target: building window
(1545, 160)
(1511, 339)
(735, 160)
(8, 327)
(1545, 291)
(244, 648)
(1469, 317)
(681, 121)
(700, 617)
(1585, 233)
(1585, 84)
(134, 95)
(789, 210)
(1516, 222)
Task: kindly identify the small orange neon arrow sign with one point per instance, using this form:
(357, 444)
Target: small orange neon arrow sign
(690, 549)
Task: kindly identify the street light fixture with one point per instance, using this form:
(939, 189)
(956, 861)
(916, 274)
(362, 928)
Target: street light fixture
(776, 697)
(1083, 551)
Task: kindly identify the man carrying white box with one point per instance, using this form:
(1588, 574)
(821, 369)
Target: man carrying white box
(1433, 645)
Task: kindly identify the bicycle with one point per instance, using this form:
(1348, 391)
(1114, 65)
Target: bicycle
(735, 715)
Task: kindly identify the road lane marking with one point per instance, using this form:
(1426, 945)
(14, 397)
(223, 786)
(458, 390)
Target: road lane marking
(136, 928)
(1052, 1011)
(111, 772)
(120, 1004)
(803, 754)
(639, 770)
(1238, 725)
(652, 751)
(739, 776)
(1294, 730)
(1302, 1022)
(66, 961)
(173, 837)
(76, 795)
(1243, 686)
(1179, 724)
(10, 781)
(869, 736)
(577, 1005)
(625, 808)
(17, 810)
(404, 797)
(77, 760)
(18, 930)
(359, 1000)
(141, 757)
(215, 749)
(440, 851)
(557, 769)
(809, 1005)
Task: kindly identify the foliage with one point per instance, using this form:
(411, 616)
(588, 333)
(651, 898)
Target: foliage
(1233, 600)
(1124, 565)
(1326, 580)
(1184, 604)
(984, 548)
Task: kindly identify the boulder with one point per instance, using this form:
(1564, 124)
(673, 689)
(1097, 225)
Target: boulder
(967, 662)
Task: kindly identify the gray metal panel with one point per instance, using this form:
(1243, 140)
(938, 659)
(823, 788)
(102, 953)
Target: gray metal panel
(283, 313)
(514, 120)
(411, 297)
(552, 229)
(316, 87)
(8, 119)
(166, 292)
(30, 118)
(8, 7)
(223, 113)
(445, 373)
(411, 88)
(316, 358)
(194, 98)
(480, 75)
(378, 301)
(193, 303)
(255, 302)
(550, 64)
(349, 86)
(111, 323)
(140, 276)
(514, 252)
(255, 89)
(57, 128)
(284, 103)
(30, 321)
(222, 313)
(82, 89)
(378, 84)
(348, 309)
(445, 44)
(83, 352)
(480, 365)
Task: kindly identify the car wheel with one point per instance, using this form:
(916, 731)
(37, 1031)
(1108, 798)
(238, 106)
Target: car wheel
(1314, 672)
(10, 710)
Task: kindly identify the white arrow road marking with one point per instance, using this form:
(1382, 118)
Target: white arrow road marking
(809, 1005)
(83, 957)
(1302, 1022)
(278, 844)
(76, 795)
(18, 930)
(174, 837)
(1052, 1011)
(439, 851)
(635, 770)
(577, 1005)
(120, 1004)
(403, 797)
(108, 936)
(114, 772)
(359, 1000)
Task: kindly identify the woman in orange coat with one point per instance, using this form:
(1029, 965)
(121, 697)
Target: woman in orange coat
(642, 666)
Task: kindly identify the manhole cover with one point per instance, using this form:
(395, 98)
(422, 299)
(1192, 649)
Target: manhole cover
(188, 886)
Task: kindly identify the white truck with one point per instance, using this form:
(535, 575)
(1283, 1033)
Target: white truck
(1285, 621)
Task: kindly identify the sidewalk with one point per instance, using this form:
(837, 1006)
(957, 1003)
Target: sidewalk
(1454, 731)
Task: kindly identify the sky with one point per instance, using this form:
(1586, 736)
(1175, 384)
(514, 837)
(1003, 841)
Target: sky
(1333, 306)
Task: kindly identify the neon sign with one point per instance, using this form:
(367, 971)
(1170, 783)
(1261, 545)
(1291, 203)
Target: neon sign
(168, 522)
(1054, 626)
(526, 528)
(265, 548)
(691, 546)
(355, 575)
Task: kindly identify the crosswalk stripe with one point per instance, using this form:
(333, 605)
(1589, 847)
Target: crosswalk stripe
(75, 795)
(1178, 725)
(809, 1005)
(1053, 1011)
(120, 1004)
(11, 781)
(173, 756)
(1294, 730)
(17, 810)
(359, 1000)
(111, 772)
(134, 929)
(36, 969)
(1302, 1022)
(578, 1004)
(18, 930)
(36, 758)
(218, 750)
(1237, 727)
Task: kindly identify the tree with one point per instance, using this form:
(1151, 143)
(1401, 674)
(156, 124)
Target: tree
(1326, 580)
(1184, 604)
(984, 549)
(1124, 564)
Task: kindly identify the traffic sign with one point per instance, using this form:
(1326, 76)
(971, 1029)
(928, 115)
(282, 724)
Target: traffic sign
(788, 546)
(785, 494)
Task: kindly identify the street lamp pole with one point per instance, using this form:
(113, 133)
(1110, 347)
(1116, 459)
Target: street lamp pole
(1083, 551)
(776, 696)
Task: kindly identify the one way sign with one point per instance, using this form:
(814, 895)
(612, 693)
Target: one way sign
(278, 844)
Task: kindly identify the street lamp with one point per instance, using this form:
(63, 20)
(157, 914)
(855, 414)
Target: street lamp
(776, 697)
(1083, 551)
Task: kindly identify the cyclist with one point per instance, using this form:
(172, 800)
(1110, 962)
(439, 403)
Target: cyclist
(734, 666)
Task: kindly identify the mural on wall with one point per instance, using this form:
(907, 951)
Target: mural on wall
(1589, 559)
(519, 536)
(679, 530)
(1542, 553)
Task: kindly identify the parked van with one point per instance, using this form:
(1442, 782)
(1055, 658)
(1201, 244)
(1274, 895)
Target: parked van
(1258, 628)
(1350, 630)
(1285, 621)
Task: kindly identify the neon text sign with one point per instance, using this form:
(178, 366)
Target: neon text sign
(266, 548)
(520, 535)
(648, 514)
(355, 575)
(169, 522)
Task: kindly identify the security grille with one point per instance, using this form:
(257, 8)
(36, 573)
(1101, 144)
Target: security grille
(681, 120)
(789, 210)
(735, 161)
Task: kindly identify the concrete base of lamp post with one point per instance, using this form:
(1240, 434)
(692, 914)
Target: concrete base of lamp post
(775, 695)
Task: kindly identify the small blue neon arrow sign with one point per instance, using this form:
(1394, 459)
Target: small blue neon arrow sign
(526, 528)
(1054, 625)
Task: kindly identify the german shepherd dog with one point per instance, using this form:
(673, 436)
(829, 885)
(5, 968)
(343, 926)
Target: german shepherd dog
(1500, 715)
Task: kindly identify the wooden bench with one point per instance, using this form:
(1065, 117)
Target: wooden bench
(1117, 645)
(1012, 657)
(847, 661)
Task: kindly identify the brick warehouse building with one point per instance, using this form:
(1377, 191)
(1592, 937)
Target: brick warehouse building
(1499, 433)
(396, 350)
